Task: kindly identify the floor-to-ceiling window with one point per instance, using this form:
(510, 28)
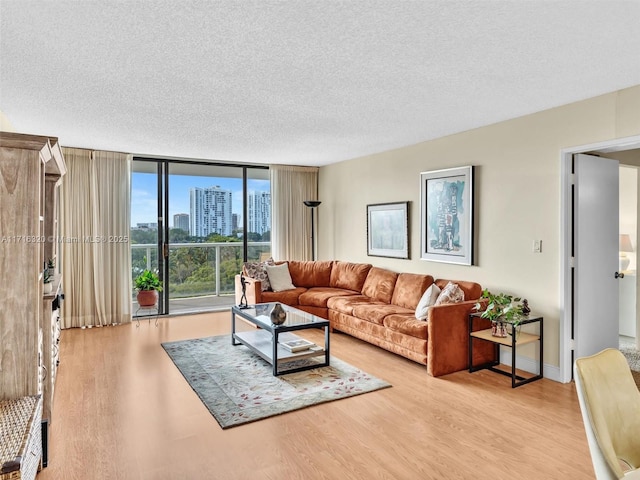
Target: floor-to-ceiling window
(195, 223)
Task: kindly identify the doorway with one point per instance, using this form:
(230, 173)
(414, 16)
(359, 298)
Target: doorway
(569, 243)
(628, 248)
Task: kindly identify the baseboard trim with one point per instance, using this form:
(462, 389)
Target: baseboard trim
(530, 365)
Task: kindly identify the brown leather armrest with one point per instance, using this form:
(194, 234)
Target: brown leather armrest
(448, 341)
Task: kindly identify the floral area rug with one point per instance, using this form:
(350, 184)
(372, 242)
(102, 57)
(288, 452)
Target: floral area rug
(238, 386)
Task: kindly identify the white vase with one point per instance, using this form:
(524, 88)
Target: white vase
(624, 263)
(47, 288)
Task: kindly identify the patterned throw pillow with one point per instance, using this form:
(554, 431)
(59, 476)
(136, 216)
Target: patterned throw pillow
(451, 293)
(257, 271)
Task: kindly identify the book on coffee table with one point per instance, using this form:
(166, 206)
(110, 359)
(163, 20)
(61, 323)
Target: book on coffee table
(297, 345)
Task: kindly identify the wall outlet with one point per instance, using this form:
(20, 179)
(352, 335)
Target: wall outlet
(537, 246)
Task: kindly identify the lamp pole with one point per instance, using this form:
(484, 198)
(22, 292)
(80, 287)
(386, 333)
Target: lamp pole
(312, 204)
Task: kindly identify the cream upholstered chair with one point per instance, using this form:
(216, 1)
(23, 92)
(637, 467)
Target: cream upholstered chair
(610, 404)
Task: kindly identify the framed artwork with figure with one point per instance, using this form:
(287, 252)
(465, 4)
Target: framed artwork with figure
(388, 230)
(446, 200)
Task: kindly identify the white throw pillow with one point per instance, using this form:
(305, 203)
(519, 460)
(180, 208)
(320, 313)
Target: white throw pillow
(279, 277)
(428, 299)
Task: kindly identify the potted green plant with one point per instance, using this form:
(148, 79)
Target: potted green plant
(502, 309)
(148, 285)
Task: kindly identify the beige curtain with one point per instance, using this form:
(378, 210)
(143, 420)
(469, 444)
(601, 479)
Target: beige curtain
(95, 222)
(290, 218)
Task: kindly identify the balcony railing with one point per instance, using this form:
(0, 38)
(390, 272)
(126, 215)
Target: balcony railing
(197, 269)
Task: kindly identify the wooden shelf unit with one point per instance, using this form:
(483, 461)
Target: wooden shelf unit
(31, 169)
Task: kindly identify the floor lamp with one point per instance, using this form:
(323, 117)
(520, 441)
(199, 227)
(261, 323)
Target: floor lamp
(312, 204)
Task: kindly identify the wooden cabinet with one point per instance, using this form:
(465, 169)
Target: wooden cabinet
(31, 168)
(50, 343)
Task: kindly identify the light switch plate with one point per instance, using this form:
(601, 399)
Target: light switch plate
(537, 246)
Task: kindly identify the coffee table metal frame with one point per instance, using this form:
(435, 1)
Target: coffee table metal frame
(265, 340)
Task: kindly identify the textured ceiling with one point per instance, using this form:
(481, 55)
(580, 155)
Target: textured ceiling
(300, 82)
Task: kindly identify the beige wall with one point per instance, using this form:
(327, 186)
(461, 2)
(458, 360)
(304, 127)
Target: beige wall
(517, 198)
(627, 157)
(5, 123)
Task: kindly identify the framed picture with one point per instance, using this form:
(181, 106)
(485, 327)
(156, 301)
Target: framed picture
(388, 230)
(446, 215)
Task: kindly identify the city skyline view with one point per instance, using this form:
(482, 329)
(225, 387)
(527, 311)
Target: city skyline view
(144, 194)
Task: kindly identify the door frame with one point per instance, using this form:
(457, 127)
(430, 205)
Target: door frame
(566, 220)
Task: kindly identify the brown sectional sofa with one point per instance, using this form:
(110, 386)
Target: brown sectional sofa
(378, 306)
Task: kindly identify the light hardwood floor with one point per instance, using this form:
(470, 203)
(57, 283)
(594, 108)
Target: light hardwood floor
(123, 411)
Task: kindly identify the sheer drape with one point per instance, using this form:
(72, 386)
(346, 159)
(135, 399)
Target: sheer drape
(95, 222)
(291, 219)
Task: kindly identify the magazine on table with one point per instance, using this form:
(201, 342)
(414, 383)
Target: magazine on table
(297, 345)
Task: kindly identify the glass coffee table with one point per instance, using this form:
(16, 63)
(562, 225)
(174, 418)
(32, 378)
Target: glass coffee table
(267, 340)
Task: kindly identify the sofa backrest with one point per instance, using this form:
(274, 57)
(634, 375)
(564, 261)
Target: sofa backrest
(472, 290)
(310, 274)
(379, 284)
(409, 289)
(350, 276)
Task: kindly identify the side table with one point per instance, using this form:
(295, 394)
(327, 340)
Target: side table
(513, 341)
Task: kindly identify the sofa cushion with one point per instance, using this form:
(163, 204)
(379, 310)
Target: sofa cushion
(279, 277)
(451, 293)
(288, 297)
(318, 296)
(350, 276)
(427, 301)
(376, 311)
(379, 284)
(407, 324)
(409, 289)
(310, 274)
(257, 271)
(346, 304)
(472, 290)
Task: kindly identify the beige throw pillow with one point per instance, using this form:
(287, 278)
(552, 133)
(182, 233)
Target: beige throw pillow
(428, 300)
(451, 293)
(279, 277)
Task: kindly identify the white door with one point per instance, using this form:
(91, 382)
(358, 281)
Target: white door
(596, 240)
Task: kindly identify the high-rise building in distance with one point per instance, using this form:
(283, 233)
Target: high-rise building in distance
(210, 211)
(181, 221)
(259, 212)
